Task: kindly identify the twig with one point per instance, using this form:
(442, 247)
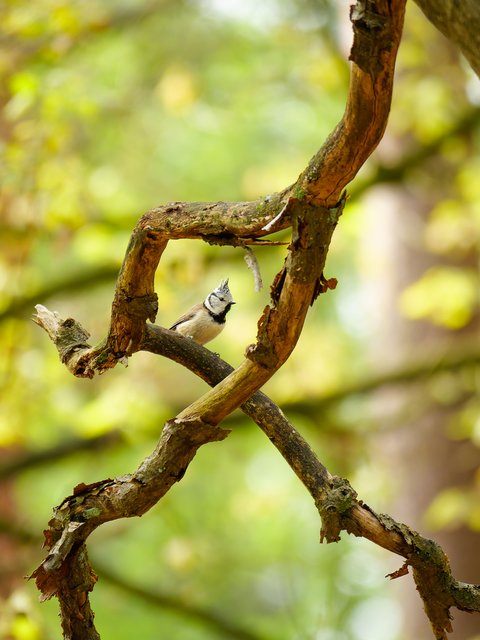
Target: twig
(30, 459)
(216, 622)
(270, 225)
(252, 264)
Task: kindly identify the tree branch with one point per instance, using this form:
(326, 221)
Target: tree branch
(216, 622)
(383, 174)
(336, 501)
(29, 459)
(311, 207)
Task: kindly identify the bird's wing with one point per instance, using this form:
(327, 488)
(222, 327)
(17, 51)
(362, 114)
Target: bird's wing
(186, 316)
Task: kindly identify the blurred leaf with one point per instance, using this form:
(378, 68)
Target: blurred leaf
(448, 296)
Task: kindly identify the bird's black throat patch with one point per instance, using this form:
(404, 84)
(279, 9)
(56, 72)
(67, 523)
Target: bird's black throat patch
(219, 317)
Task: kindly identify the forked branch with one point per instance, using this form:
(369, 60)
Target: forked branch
(311, 207)
(66, 570)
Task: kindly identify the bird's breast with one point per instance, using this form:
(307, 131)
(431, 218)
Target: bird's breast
(201, 329)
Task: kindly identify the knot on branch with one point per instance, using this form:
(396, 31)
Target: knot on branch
(312, 229)
(434, 581)
(431, 572)
(191, 432)
(72, 582)
(334, 506)
(264, 352)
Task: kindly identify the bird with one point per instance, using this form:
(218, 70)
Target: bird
(204, 321)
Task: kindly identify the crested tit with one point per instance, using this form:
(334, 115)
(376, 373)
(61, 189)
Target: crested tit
(205, 320)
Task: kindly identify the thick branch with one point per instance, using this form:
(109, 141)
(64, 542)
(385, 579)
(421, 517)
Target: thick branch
(383, 174)
(66, 572)
(336, 501)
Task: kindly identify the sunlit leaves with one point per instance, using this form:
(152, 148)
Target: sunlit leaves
(455, 507)
(447, 296)
(453, 228)
(176, 89)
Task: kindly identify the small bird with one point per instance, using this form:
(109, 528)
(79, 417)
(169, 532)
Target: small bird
(205, 320)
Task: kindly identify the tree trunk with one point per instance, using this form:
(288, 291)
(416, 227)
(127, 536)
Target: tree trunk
(426, 460)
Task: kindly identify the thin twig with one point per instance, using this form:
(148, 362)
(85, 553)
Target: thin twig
(216, 623)
(30, 459)
(252, 263)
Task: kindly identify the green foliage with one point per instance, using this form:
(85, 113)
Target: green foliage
(111, 108)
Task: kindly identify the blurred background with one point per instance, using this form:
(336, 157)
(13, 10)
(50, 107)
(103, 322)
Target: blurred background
(108, 109)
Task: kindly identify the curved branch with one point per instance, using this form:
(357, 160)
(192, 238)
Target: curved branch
(337, 503)
(383, 174)
(312, 208)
